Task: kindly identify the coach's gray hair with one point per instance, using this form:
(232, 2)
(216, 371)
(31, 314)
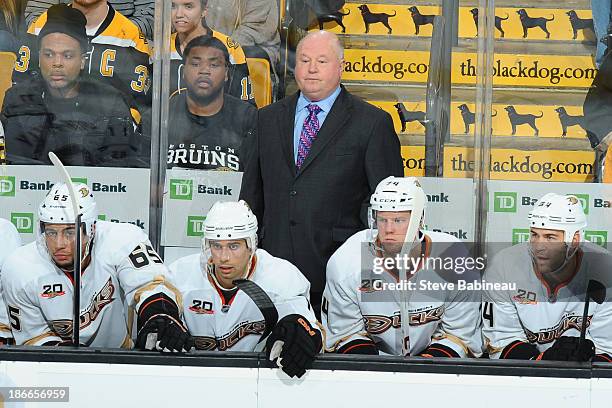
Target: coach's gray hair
(333, 39)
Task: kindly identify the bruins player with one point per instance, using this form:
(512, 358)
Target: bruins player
(118, 52)
(122, 280)
(10, 241)
(541, 319)
(189, 22)
(222, 317)
(360, 316)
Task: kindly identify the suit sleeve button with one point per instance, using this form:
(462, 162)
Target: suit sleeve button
(293, 193)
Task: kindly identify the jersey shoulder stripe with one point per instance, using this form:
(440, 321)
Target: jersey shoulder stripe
(38, 24)
(124, 33)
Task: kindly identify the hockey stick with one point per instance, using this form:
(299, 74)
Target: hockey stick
(263, 303)
(597, 292)
(76, 322)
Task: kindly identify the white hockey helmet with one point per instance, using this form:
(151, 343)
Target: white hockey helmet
(559, 212)
(400, 194)
(56, 208)
(230, 220)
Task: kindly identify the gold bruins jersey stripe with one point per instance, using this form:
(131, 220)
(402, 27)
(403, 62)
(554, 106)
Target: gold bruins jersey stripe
(236, 52)
(120, 32)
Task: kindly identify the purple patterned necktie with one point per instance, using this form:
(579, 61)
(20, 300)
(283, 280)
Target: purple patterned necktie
(309, 134)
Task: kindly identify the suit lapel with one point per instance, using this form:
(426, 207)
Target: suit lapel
(286, 130)
(334, 122)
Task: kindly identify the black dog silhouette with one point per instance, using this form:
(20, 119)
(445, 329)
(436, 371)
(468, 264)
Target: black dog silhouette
(532, 22)
(420, 19)
(468, 117)
(522, 119)
(498, 21)
(579, 23)
(568, 120)
(373, 18)
(409, 116)
(335, 17)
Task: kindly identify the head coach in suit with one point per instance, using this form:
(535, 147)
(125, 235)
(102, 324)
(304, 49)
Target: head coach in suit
(314, 161)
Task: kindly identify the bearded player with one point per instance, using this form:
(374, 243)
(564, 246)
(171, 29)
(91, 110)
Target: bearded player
(542, 318)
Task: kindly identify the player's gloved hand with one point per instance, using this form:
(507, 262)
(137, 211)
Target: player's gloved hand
(567, 349)
(164, 333)
(293, 345)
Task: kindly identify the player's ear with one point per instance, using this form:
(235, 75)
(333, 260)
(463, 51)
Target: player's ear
(82, 61)
(576, 239)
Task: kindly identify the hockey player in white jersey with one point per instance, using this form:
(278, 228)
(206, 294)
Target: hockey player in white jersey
(218, 312)
(540, 318)
(427, 317)
(122, 281)
(10, 239)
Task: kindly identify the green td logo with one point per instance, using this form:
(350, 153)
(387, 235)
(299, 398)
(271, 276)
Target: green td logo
(79, 180)
(504, 202)
(195, 225)
(597, 237)
(584, 200)
(520, 235)
(7, 186)
(102, 217)
(24, 222)
(181, 189)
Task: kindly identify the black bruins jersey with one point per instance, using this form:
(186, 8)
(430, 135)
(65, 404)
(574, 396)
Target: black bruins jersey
(209, 142)
(118, 54)
(239, 84)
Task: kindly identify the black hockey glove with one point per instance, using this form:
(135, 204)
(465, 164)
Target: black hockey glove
(293, 345)
(567, 349)
(164, 333)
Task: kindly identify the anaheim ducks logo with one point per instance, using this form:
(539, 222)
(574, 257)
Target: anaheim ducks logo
(84, 191)
(378, 324)
(241, 331)
(548, 336)
(63, 327)
(572, 200)
(205, 343)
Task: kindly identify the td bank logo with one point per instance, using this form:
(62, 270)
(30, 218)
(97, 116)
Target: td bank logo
(520, 235)
(195, 225)
(584, 200)
(24, 222)
(597, 237)
(504, 202)
(79, 180)
(181, 189)
(7, 186)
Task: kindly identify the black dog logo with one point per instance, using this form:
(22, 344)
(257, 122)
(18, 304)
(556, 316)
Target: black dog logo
(567, 120)
(522, 119)
(335, 17)
(409, 116)
(498, 21)
(579, 23)
(373, 18)
(532, 22)
(469, 118)
(420, 19)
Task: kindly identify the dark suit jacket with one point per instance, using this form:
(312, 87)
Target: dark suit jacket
(305, 216)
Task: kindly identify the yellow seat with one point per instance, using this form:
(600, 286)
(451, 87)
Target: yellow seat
(259, 71)
(7, 63)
